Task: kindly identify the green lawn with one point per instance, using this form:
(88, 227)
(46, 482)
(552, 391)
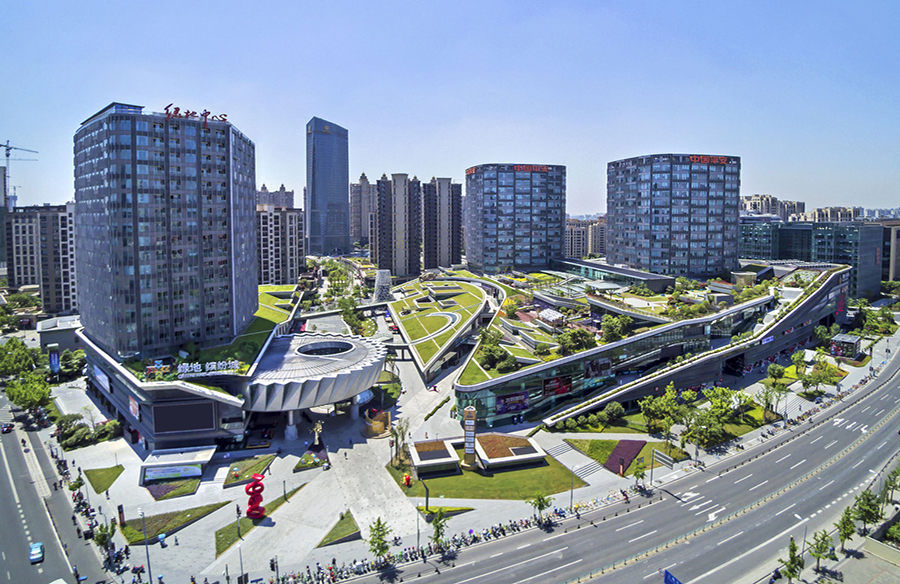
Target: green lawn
(307, 461)
(385, 395)
(598, 450)
(271, 301)
(472, 374)
(519, 352)
(277, 288)
(387, 377)
(248, 467)
(426, 349)
(255, 336)
(133, 530)
(173, 488)
(519, 484)
(101, 479)
(646, 452)
(412, 326)
(628, 424)
(345, 526)
(370, 327)
(433, 324)
(752, 420)
(228, 535)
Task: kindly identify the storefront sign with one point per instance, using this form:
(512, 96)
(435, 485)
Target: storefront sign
(172, 472)
(469, 416)
(530, 168)
(205, 114)
(158, 368)
(710, 159)
(186, 370)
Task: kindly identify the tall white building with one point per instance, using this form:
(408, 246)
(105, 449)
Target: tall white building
(597, 238)
(363, 202)
(280, 244)
(399, 226)
(576, 238)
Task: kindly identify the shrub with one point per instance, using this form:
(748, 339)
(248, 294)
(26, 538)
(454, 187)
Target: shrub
(602, 418)
(570, 424)
(592, 419)
(614, 410)
(582, 421)
(507, 364)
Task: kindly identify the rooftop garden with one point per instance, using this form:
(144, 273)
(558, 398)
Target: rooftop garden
(432, 312)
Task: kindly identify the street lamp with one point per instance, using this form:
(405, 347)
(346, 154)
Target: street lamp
(241, 578)
(572, 485)
(146, 545)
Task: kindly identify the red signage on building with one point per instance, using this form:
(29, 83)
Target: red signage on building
(709, 159)
(205, 114)
(530, 168)
(471, 170)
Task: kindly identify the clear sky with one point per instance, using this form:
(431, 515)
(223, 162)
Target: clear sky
(805, 92)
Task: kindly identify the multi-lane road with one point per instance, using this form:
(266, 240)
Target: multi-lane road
(26, 519)
(838, 456)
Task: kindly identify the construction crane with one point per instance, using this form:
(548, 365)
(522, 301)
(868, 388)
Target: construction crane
(8, 160)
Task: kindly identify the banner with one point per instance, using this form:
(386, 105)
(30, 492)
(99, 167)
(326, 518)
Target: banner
(172, 472)
(514, 402)
(557, 385)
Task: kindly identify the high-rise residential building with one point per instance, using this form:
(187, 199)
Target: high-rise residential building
(4, 201)
(280, 198)
(788, 208)
(674, 214)
(280, 244)
(398, 242)
(441, 223)
(597, 238)
(854, 243)
(769, 205)
(830, 214)
(326, 199)
(363, 201)
(41, 252)
(515, 216)
(576, 238)
(165, 219)
(890, 247)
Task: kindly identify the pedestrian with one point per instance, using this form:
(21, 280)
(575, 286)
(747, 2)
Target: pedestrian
(176, 539)
(351, 443)
(345, 455)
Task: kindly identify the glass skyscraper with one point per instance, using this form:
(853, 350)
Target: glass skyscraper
(327, 197)
(165, 220)
(515, 216)
(674, 214)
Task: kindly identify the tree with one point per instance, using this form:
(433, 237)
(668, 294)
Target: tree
(651, 411)
(775, 371)
(794, 564)
(799, 361)
(820, 547)
(614, 410)
(390, 362)
(439, 525)
(575, 340)
(29, 391)
(615, 327)
(89, 416)
(893, 481)
(744, 401)
(378, 538)
(104, 534)
(867, 508)
(541, 503)
(846, 526)
(640, 472)
(821, 332)
(781, 392)
(542, 349)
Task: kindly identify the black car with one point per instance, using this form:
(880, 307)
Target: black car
(6, 428)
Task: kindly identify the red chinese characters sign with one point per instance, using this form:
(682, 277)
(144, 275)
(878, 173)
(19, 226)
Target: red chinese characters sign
(205, 114)
(530, 168)
(709, 159)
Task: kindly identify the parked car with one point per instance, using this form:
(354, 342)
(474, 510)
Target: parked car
(6, 428)
(36, 552)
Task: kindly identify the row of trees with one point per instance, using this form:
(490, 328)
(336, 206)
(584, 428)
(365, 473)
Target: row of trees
(379, 534)
(612, 413)
(74, 432)
(616, 328)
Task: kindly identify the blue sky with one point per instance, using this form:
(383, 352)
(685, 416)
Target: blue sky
(805, 92)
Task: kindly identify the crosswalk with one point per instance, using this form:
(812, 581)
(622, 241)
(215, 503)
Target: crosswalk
(6, 414)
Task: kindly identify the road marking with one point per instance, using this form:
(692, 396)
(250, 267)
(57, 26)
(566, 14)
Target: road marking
(858, 463)
(864, 428)
(521, 547)
(12, 483)
(785, 509)
(864, 411)
(712, 515)
(743, 479)
(884, 397)
(630, 525)
(816, 440)
(878, 413)
(641, 536)
(685, 504)
(798, 464)
(514, 565)
(830, 444)
(554, 536)
(825, 485)
(548, 571)
(782, 458)
(656, 572)
(501, 553)
(730, 538)
(882, 444)
(850, 426)
(695, 507)
(703, 577)
(839, 421)
(759, 485)
(712, 479)
(897, 400)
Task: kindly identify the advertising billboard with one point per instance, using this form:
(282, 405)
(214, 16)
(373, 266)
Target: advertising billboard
(172, 472)
(53, 354)
(184, 417)
(558, 385)
(597, 368)
(513, 402)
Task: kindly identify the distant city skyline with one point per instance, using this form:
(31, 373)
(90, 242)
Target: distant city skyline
(805, 99)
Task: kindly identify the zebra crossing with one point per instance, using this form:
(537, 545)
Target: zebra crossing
(6, 414)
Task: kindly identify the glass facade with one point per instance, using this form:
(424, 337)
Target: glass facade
(515, 216)
(327, 196)
(165, 219)
(674, 214)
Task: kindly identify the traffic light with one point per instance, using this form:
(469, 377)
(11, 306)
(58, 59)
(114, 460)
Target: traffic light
(272, 564)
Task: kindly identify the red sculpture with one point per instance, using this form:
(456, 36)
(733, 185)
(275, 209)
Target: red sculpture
(255, 489)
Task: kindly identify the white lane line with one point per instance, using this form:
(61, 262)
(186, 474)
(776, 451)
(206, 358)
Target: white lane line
(513, 565)
(730, 538)
(878, 413)
(548, 571)
(630, 525)
(850, 426)
(501, 553)
(555, 536)
(867, 408)
(825, 485)
(897, 400)
(712, 479)
(798, 464)
(641, 536)
(782, 458)
(858, 463)
(830, 444)
(785, 509)
(695, 507)
(656, 572)
(743, 479)
(884, 397)
(691, 501)
(816, 440)
(12, 483)
(521, 547)
(882, 444)
(759, 485)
